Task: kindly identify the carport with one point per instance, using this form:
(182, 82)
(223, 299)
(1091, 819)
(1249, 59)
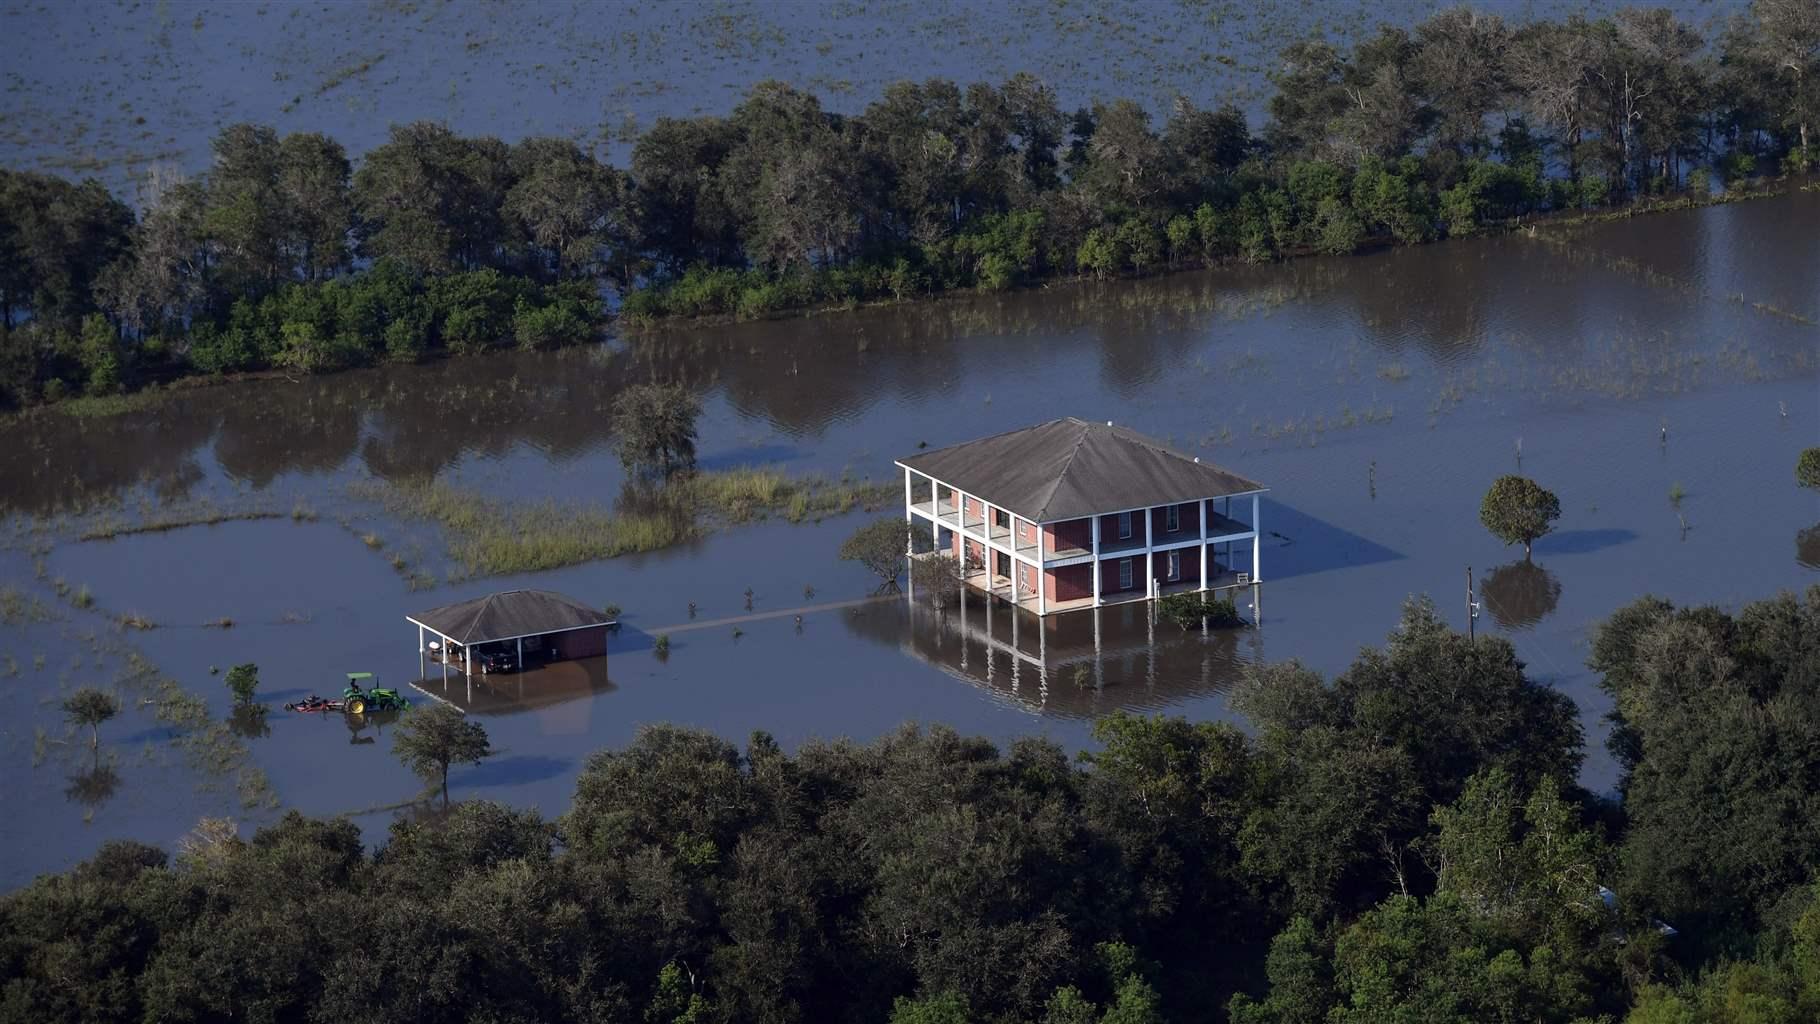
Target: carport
(548, 625)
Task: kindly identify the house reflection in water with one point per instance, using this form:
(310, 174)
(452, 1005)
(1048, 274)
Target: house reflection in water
(557, 693)
(1075, 665)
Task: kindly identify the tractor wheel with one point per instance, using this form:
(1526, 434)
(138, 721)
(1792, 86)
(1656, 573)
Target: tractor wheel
(356, 706)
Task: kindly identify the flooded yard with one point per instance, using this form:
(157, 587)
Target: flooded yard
(1659, 374)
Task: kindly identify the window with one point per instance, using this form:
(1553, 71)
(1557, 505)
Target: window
(1124, 574)
(1175, 565)
(1124, 526)
(1172, 519)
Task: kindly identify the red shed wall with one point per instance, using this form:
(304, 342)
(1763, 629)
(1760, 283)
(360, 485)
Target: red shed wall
(579, 643)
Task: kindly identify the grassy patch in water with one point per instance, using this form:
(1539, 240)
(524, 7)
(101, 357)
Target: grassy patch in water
(19, 608)
(488, 536)
(175, 519)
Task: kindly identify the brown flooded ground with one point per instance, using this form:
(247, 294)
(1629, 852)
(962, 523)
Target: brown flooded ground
(1376, 395)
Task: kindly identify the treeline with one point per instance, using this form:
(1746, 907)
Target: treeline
(1460, 123)
(1405, 843)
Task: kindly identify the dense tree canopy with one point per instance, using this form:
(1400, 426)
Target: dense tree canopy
(1458, 124)
(1405, 842)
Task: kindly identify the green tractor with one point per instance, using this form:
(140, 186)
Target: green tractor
(361, 696)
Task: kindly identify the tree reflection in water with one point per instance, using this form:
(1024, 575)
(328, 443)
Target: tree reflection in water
(1520, 594)
(1807, 547)
(94, 787)
(248, 721)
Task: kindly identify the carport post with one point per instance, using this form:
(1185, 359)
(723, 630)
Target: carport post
(420, 652)
(521, 654)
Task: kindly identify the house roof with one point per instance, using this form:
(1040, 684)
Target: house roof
(509, 614)
(1069, 468)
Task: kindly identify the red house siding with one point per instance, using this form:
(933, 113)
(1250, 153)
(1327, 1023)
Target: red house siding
(1026, 579)
(1190, 566)
(1069, 583)
(1074, 533)
(1109, 529)
(1189, 519)
(1026, 531)
(1109, 575)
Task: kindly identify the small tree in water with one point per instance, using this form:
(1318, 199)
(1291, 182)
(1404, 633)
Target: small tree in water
(1807, 469)
(243, 679)
(431, 739)
(1517, 509)
(880, 546)
(937, 580)
(89, 706)
(655, 427)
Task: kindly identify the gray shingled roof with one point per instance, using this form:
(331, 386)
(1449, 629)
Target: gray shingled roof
(509, 614)
(1069, 468)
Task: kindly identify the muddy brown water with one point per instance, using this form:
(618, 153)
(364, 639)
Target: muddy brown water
(1375, 395)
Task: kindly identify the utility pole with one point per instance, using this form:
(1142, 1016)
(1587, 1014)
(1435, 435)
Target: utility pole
(1472, 608)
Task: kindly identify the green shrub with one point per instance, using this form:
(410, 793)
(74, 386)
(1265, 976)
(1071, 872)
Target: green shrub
(548, 327)
(1188, 609)
(1807, 469)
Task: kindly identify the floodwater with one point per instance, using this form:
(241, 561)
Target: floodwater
(112, 88)
(1376, 395)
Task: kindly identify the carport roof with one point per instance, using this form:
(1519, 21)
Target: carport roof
(508, 615)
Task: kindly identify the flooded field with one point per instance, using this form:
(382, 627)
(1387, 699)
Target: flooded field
(114, 87)
(1660, 374)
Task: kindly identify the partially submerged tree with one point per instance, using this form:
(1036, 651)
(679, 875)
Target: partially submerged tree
(90, 707)
(1517, 509)
(655, 427)
(881, 546)
(1807, 469)
(243, 679)
(431, 739)
(936, 580)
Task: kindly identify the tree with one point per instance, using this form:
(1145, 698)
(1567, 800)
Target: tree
(313, 177)
(243, 679)
(655, 428)
(936, 579)
(1712, 726)
(881, 546)
(55, 240)
(1521, 862)
(1354, 768)
(1788, 39)
(244, 216)
(567, 205)
(433, 200)
(90, 707)
(430, 739)
(1517, 509)
(1807, 469)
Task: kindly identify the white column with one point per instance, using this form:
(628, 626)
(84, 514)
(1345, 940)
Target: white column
(1201, 508)
(521, 654)
(1149, 559)
(1042, 590)
(1257, 540)
(1096, 570)
(420, 652)
(909, 546)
